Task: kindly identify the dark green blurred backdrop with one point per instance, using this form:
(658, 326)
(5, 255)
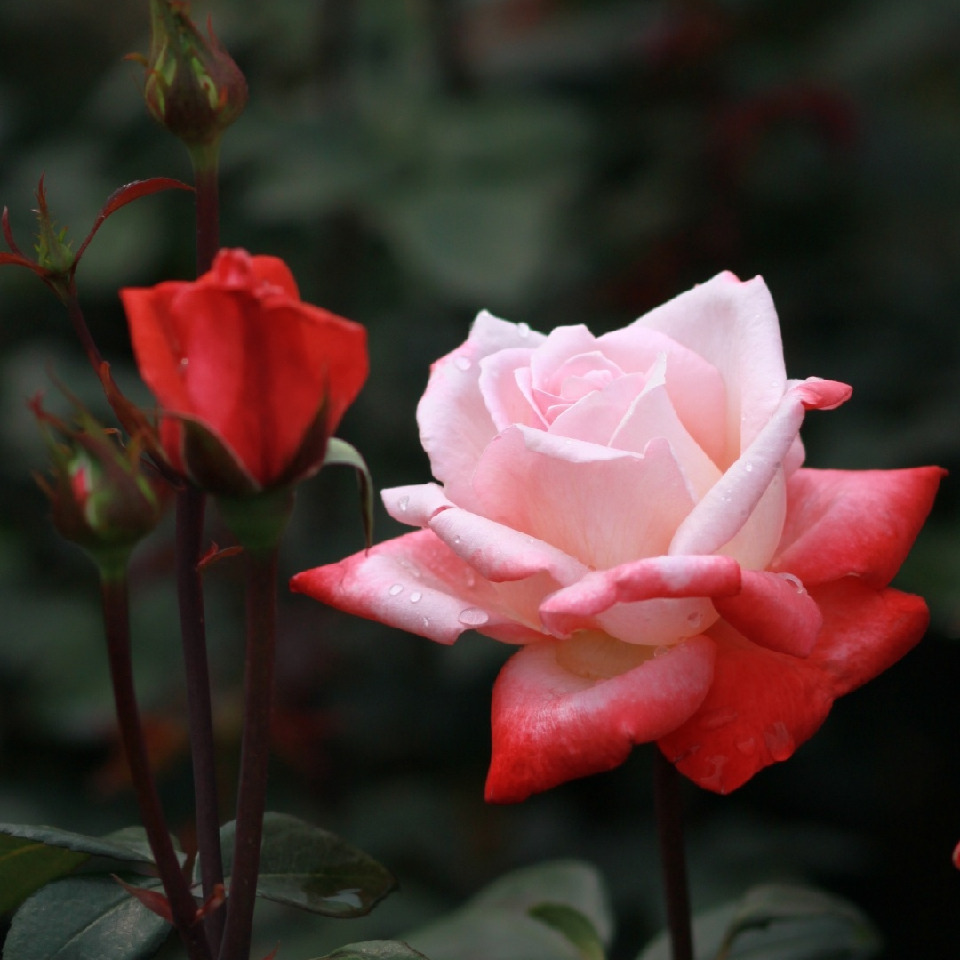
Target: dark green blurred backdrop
(555, 161)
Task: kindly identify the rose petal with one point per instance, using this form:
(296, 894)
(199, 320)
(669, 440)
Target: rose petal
(559, 491)
(860, 522)
(502, 386)
(733, 325)
(596, 417)
(455, 426)
(773, 611)
(762, 705)
(551, 725)
(647, 579)
(416, 503)
(718, 517)
(414, 583)
(865, 631)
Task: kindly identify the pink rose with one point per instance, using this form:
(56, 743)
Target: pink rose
(630, 509)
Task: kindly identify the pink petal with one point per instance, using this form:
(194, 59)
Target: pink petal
(569, 609)
(503, 394)
(414, 583)
(551, 725)
(733, 325)
(719, 516)
(591, 502)
(414, 504)
(455, 426)
(597, 416)
(859, 522)
(773, 611)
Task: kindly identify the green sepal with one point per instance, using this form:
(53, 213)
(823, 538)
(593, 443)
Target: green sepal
(341, 453)
(307, 867)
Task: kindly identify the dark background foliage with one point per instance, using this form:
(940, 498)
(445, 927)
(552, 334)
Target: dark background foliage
(556, 161)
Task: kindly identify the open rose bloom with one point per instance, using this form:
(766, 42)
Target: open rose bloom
(631, 511)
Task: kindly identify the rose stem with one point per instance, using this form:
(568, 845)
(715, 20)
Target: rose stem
(80, 327)
(669, 812)
(261, 605)
(190, 513)
(116, 612)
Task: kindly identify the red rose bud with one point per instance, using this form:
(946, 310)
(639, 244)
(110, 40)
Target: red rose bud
(103, 496)
(193, 87)
(250, 380)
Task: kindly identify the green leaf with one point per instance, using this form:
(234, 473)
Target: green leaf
(779, 922)
(25, 866)
(550, 912)
(304, 866)
(341, 453)
(31, 856)
(374, 950)
(576, 927)
(83, 918)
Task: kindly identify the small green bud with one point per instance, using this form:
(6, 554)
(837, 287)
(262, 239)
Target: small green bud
(193, 87)
(103, 496)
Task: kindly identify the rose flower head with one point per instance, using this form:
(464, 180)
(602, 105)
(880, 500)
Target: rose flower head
(251, 381)
(631, 511)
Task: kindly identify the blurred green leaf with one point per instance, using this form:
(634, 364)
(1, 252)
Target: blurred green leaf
(573, 925)
(779, 922)
(552, 911)
(341, 453)
(82, 918)
(374, 950)
(25, 866)
(304, 866)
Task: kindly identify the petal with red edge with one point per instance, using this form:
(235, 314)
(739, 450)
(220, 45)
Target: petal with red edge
(773, 611)
(551, 725)
(760, 707)
(414, 583)
(647, 579)
(860, 522)
(865, 631)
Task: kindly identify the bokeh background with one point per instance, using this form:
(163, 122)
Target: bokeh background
(555, 161)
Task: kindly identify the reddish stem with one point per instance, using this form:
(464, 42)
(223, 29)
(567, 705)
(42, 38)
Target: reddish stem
(116, 613)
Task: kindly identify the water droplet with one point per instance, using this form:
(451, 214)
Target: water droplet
(748, 467)
(746, 745)
(695, 618)
(416, 596)
(471, 579)
(795, 580)
(184, 362)
(425, 623)
(403, 503)
(718, 718)
(712, 777)
(523, 329)
(661, 651)
(457, 538)
(473, 617)
(395, 590)
(779, 741)
(462, 363)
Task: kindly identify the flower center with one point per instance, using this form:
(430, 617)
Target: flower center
(595, 655)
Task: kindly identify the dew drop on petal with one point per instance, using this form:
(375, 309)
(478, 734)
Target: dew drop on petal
(425, 623)
(748, 467)
(416, 596)
(695, 619)
(716, 719)
(662, 650)
(471, 579)
(779, 741)
(746, 745)
(184, 363)
(403, 503)
(395, 590)
(462, 363)
(523, 329)
(712, 779)
(795, 580)
(473, 617)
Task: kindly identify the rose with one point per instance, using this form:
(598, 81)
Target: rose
(631, 510)
(251, 381)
